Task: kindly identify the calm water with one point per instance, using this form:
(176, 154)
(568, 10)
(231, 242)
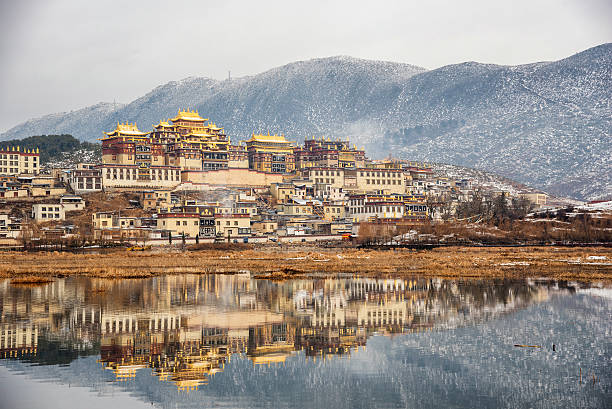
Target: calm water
(232, 341)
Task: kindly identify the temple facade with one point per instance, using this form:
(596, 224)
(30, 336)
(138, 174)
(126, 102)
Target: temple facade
(17, 161)
(192, 142)
(187, 141)
(327, 153)
(238, 157)
(270, 153)
(132, 158)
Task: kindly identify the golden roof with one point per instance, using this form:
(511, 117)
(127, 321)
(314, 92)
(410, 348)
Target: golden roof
(128, 129)
(188, 115)
(268, 138)
(162, 124)
(18, 149)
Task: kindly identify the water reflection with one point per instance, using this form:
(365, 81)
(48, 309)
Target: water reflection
(185, 329)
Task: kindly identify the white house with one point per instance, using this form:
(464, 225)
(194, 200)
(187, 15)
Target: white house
(43, 212)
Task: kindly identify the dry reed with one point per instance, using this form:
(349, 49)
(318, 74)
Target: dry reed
(31, 281)
(476, 262)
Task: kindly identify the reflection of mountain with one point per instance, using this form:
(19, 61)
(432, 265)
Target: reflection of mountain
(185, 328)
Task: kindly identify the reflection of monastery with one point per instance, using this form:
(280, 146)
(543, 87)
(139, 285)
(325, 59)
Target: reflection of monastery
(186, 328)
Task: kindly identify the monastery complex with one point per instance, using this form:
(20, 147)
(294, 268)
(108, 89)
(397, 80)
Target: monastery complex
(194, 183)
(186, 148)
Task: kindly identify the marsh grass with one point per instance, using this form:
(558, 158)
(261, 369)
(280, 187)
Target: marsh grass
(466, 262)
(31, 281)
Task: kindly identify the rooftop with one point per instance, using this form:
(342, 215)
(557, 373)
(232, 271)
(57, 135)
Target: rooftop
(268, 138)
(127, 128)
(188, 115)
(162, 124)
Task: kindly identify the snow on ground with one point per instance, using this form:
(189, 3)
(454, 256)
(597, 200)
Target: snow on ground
(602, 206)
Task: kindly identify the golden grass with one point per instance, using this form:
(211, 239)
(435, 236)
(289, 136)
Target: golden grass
(31, 281)
(466, 262)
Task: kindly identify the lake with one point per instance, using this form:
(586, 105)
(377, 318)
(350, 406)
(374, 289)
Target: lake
(183, 341)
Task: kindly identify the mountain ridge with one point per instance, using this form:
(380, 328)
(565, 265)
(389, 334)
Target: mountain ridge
(546, 124)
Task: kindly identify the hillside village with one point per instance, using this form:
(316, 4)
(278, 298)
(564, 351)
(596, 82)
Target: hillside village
(184, 181)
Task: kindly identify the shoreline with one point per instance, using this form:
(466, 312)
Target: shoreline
(561, 263)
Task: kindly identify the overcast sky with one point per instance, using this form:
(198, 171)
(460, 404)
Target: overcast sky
(66, 54)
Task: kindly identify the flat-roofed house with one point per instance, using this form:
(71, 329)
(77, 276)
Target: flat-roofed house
(179, 223)
(72, 203)
(233, 225)
(45, 212)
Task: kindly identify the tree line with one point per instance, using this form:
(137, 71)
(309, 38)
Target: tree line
(51, 147)
(497, 210)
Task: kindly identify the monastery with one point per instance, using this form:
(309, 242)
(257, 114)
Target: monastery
(195, 184)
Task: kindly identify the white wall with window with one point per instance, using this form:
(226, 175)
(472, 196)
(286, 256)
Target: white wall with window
(45, 212)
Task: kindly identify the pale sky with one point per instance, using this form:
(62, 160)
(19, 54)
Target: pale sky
(60, 55)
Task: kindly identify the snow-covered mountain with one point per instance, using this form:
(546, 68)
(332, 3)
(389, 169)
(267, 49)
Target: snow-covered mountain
(547, 124)
(83, 123)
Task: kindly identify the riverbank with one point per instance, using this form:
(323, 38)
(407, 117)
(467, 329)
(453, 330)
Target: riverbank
(585, 264)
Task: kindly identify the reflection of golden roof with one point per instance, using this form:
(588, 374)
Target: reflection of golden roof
(128, 129)
(268, 138)
(189, 384)
(188, 115)
(198, 365)
(269, 358)
(125, 371)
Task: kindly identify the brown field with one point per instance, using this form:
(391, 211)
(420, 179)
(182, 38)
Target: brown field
(587, 264)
